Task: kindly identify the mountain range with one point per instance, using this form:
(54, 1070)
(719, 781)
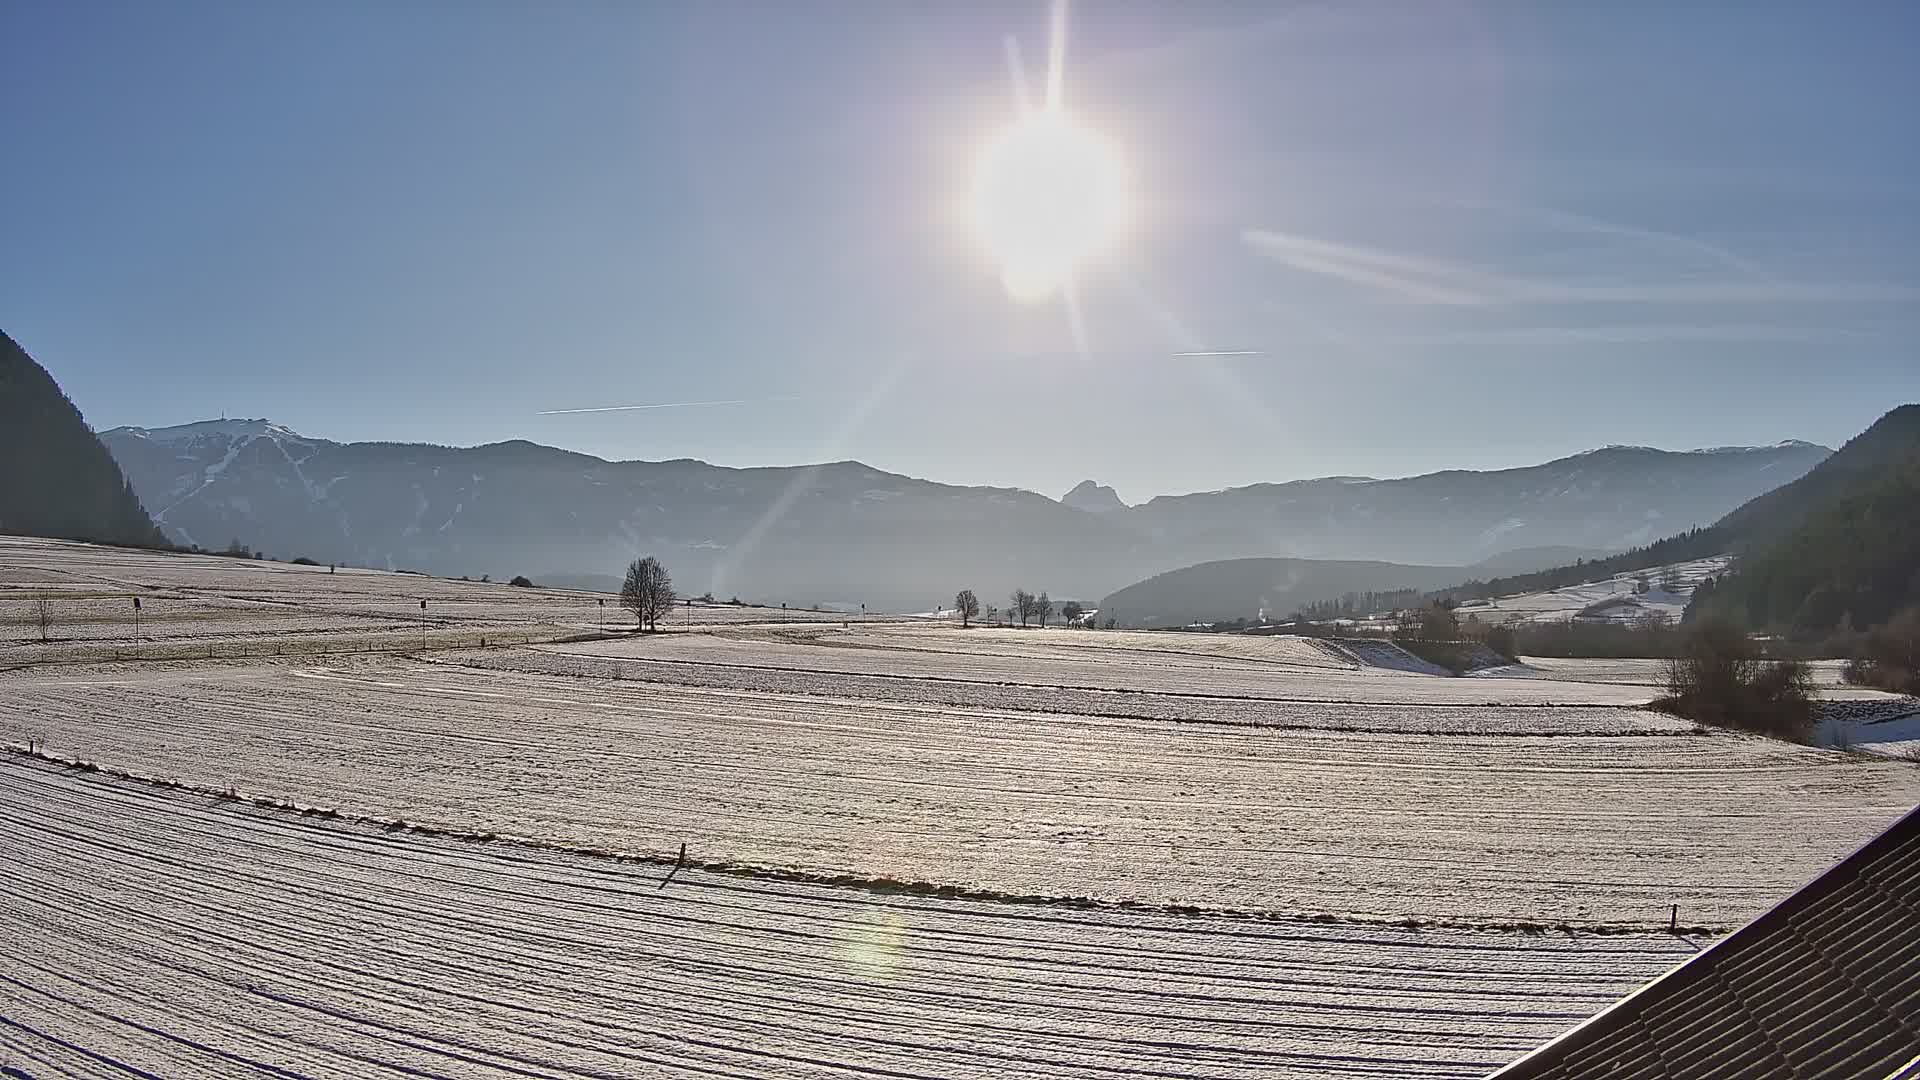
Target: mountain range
(846, 533)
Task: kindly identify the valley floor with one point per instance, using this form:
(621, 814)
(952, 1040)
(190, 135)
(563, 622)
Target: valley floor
(151, 932)
(914, 850)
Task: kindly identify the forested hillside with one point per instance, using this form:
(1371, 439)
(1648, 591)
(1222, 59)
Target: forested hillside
(1838, 549)
(1835, 550)
(1260, 588)
(1692, 544)
(58, 480)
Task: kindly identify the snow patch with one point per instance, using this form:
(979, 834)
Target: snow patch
(1611, 599)
(212, 429)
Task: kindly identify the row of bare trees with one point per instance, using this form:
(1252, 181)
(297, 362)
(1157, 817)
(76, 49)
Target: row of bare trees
(1022, 605)
(1027, 607)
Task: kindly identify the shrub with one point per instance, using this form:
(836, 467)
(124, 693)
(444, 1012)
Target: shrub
(1648, 639)
(1456, 656)
(521, 581)
(304, 561)
(1500, 640)
(1889, 656)
(1434, 622)
(1719, 677)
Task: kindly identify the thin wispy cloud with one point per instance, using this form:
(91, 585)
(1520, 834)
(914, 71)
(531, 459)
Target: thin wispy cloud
(1194, 354)
(1359, 271)
(1632, 335)
(1716, 292)
(672, 405)
(1423, 279)
(1655, 240)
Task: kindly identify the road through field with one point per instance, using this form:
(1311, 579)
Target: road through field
(168, 934)
(1485, 828)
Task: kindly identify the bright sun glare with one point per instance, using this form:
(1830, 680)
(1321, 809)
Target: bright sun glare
(1048, 194)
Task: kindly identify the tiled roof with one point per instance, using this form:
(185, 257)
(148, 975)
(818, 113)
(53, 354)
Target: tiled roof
(1827, 984)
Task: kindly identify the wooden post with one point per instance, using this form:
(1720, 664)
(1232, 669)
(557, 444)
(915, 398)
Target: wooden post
(1673, 920)
(680, 862)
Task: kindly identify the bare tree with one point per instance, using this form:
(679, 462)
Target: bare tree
(647, 591)
(1021, 605)
(43, 615)
(1434, 622)
(1071, 611)
(1720, 677)
(968, 605)
(1042, 607)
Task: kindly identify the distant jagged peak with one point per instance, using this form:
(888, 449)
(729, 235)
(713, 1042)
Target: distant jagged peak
(1093, 498)
(222, 428)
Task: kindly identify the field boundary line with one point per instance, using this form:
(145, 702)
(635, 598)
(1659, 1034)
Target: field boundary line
(877, 886)
(1195, 694)
(1254, 725)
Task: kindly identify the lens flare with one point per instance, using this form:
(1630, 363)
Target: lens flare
(874, 948)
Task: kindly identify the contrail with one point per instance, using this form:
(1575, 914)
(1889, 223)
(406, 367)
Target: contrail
(1220, 352)
(671, 405)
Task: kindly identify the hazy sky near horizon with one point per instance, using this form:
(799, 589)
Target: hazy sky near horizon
(1450, 235)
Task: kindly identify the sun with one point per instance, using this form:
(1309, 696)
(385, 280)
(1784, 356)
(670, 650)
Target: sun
(1048, 194)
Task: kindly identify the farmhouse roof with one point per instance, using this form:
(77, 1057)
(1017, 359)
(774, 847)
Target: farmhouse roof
(1826, 984)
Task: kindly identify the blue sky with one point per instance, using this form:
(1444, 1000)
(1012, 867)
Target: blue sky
(1455, 235)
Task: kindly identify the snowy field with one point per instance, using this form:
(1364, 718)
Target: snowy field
(256, 607)
(1613, 599)
(1066, 658)
(182, 936)
(1500, 819)
(917, 851)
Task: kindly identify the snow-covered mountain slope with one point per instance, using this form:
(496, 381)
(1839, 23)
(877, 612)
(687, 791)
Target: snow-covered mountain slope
(1617, 599)
(846, 533)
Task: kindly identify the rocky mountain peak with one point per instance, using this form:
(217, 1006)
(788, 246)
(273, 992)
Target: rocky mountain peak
(1093, 498)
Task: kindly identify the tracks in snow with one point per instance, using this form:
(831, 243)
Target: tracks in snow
(156, 931)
